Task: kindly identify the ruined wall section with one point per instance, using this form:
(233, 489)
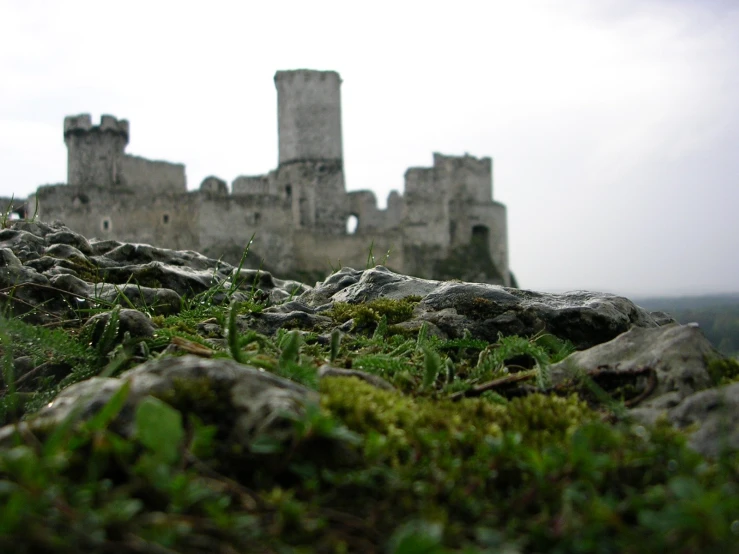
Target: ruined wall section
(152, 176)
(451, 224)
(321, 254)
(363, 205)
(308, 115)
(226, 223)
(250, 184)
(16, 208)
(95, 152)
(465, 177)
(164, 220)
(317, 195)
(494, 216)
(426, 211)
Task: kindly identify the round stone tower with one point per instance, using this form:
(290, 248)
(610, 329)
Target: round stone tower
(308, 115)
(94, 152)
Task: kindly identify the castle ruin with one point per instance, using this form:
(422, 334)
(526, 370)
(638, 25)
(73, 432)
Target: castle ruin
(446, 225)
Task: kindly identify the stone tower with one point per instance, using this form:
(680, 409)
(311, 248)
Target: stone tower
(311, 167)
(95, 152)
(308, 115)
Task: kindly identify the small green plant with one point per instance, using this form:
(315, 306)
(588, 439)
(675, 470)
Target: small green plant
(370, 256)
(6, 213)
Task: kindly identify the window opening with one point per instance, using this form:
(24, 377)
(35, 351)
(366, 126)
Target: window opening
(352, 222)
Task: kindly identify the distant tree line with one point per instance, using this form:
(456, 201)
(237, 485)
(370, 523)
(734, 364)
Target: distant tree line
(717, 315)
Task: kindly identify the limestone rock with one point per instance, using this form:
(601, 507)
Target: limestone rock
(133, 322)
(585, 318)
(711, 415)
(679, 354)
(51, 265)
(256, 402)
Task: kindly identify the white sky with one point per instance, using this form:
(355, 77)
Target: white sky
(614, 130)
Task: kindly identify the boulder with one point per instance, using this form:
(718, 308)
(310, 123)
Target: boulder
(585, 318)
(710, 418)
(678, 354)
(244, 401)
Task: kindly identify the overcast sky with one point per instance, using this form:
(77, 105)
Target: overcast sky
(614, 129)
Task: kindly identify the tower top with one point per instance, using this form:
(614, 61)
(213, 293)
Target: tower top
(306, 75)
(82, 124)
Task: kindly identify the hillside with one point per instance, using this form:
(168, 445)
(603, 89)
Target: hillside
(717, 315)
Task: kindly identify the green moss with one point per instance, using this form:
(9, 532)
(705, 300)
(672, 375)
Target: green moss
(370, 313)
(723, 370)
(197, 395)
(403, 420)
(84, 268)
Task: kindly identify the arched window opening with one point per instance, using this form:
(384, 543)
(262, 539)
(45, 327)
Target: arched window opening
(14, 216)
(165, 219)
(288, 191)
(352, 222)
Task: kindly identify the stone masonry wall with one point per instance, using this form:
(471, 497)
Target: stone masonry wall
(152, 177)
(309, 115)
(120, 214)
(94, 152)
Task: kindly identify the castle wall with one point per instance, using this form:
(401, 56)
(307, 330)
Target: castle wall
(163, 220)
(363, 205)
(494, 217)
(152, 177)
(465, 176)
(426, 211)
(394, 210)
(245, 184)
(225, 225)
(318, 253)
(308, 115)
(317, 192)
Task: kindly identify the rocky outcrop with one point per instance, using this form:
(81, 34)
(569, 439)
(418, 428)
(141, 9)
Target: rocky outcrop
(48, 273)
(451, 307)
(54, 267)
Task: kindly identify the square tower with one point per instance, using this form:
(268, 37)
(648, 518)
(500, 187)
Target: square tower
(308, 115)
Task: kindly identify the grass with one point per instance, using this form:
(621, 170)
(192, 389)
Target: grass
(474, 452)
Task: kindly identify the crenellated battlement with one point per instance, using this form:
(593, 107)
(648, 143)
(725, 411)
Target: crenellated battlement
(82, 124)
(454, 164)
(306, 76)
